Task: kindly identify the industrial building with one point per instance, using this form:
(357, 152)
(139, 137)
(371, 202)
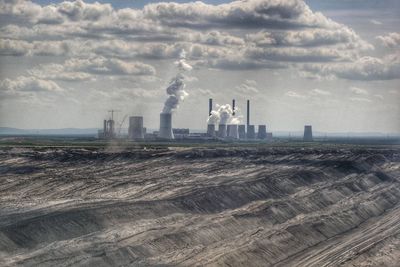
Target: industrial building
(230, 131)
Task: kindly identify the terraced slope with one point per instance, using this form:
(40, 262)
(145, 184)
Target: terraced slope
(281, 206)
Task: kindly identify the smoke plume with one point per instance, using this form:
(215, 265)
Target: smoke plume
(175, 89)
(223, 115)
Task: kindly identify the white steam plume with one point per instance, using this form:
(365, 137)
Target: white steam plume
(223, 115)
(175, 89)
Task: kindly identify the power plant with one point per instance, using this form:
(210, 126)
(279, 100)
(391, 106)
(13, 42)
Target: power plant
(227, 118)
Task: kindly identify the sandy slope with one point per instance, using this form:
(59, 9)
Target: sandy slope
(282, 206)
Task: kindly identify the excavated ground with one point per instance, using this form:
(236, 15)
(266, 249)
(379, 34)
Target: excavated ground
(271, 206)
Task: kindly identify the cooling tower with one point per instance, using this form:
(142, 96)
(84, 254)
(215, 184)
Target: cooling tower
(233, 131)
(228, 128)
(211, 130)
(222, 130)
(136, 128)
(166, 126)
(251, 133)
(242, 131)
(308, 133)
(262, 132)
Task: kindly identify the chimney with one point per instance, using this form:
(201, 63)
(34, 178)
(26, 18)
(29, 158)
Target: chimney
(166, 126)
(248, 113)
(233, 107)
(210, 106)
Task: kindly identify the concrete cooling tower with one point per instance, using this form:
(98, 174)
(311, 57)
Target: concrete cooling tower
(211, 130)
(251, 133)
(136, 128)
(308, 133)
(233, 131)
(222, 130)
(262, 132)
(242, 131)
(166, 126)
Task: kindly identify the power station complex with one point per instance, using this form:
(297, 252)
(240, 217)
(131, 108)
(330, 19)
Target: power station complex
(225, 131)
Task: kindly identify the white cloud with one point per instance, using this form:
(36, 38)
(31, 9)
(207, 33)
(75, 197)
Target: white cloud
(343, 36)
(84, 28)
(28, 84)
(58, 72)
(375, 22)
(363, 69)
(295, 95)
(248, 87)
(320, 92)
(254, 34)
(360, 99)
(358, 91)
(107, 66)
(390, 40)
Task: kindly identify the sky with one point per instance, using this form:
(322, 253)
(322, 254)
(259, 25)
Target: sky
(332, 64)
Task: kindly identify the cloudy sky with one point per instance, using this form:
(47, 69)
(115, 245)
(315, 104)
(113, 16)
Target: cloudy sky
(332, 64)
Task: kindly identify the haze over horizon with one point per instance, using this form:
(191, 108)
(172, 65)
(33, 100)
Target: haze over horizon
(335, 66)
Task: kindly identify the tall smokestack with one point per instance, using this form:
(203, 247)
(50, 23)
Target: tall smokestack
(248, 113)
(210, 106)
(166, 126)
(233, 107)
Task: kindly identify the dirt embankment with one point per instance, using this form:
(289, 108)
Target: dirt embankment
(227, 206)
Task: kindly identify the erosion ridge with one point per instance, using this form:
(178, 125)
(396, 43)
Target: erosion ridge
(277, 206)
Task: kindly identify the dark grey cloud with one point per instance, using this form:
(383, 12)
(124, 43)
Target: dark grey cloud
(241, 14)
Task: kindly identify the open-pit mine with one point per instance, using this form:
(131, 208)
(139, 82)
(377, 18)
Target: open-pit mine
(303, 205)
